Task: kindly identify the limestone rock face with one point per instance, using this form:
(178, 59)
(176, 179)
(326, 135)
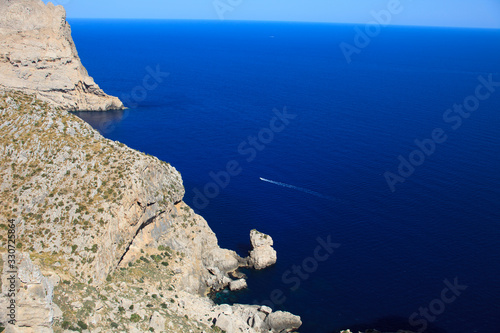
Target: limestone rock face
(38, 56)
(252, 318)
(280, 321)
(225, 260)
(237, 284)
(157, 322)
(263, 254)
(107, 188)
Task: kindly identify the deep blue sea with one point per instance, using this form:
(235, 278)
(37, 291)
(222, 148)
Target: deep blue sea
(345, 126)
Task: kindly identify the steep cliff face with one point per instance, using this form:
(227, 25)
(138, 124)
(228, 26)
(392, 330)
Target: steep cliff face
(37, 55)
(110, 222)
(75, 195)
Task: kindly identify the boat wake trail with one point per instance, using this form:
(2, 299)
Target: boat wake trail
(305, 190)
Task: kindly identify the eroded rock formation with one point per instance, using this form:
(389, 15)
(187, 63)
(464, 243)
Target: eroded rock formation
(262, 254)
(37, 55)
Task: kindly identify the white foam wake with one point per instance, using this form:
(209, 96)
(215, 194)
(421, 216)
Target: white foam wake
(305, 190)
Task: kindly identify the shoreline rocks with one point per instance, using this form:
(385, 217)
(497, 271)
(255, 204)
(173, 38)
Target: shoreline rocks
(263, 255)
(237, 284)
(254, 318)
(223, 264)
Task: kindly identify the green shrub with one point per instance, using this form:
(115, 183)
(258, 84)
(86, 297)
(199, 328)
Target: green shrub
(217, 329)
(135, 318)
(82, 325)
(156, 258)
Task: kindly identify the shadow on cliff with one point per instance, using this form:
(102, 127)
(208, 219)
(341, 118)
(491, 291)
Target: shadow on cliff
(391, 324)
(104, 122)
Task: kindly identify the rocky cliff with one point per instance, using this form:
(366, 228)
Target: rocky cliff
(104, 239)
(37, 55)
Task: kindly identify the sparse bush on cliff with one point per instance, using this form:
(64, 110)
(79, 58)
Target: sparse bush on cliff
(82, 325)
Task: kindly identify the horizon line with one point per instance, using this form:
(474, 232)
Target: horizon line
(280, 21)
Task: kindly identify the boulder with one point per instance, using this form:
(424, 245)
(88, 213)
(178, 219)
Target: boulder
(280, 321)
(237, 284)
(263, 254)
(157, 322)
(225, 322)
(223, 259)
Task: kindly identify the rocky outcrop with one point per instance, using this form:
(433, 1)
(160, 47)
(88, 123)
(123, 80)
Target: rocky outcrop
(157, 322)
(262, 254)
(237, 284)
(280, 321)
(38, 56)
(257, 319)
